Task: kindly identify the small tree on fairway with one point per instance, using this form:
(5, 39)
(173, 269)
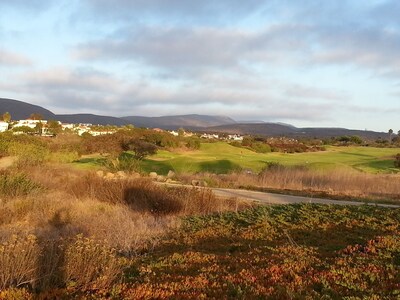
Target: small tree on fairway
(140, 148)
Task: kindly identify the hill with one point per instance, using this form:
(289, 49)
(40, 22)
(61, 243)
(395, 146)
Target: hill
(279, 129)
(92, 119)
(175, 122)
(21, 110)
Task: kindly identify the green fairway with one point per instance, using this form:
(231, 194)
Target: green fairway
(223, 158)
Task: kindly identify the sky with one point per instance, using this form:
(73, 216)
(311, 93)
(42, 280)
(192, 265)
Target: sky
(310, 63)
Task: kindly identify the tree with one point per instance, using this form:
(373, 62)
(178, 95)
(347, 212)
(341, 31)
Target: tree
(140, 148)
(36, 116)
(6, 117)
(397, 160)
(181, 132)
(390, 134)
(24, 129)
(54, 127)
(39, 127)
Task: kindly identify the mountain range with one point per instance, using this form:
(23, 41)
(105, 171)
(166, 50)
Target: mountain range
(202, 123)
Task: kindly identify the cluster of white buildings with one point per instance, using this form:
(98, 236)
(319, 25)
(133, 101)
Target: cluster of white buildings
(33, 124)
(213, 136)
(210, 136)
(88, 128)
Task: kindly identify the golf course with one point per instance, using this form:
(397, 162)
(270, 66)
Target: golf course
(222, 158)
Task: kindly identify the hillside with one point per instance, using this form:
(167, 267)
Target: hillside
(92, 119)
(175, 122)
(21, 110)
(276, 129)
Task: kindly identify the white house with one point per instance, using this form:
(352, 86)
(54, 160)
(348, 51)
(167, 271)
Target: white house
(67, 126)
(235, 137)
(29, 123)
(3, 126)
(209, 136)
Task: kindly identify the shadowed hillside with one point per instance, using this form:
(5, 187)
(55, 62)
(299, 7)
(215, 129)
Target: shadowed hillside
(21, 110)
(175, 122)
(276, 129)
(92, 119)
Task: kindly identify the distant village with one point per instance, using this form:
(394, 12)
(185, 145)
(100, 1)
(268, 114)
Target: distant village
(38, 126)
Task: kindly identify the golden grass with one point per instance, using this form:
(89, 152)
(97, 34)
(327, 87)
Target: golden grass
(78, 228)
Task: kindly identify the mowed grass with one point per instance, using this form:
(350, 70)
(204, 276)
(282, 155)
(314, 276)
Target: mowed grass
(223, 158)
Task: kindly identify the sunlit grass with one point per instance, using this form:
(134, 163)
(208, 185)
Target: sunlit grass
(224, 158)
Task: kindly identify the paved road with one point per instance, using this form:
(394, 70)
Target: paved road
(269, 198)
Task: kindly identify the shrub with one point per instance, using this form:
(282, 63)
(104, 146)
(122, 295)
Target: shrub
(125, 162)
(260, 147)
(89, 265)
(18, 261)
(31, 154)
(397, 161)
(193, 143)
(14, 185)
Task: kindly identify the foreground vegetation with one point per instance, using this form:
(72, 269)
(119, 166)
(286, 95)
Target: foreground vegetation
(70, 232)
(303, 251)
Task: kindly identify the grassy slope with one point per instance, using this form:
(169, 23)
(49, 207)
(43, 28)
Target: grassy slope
(223, 158)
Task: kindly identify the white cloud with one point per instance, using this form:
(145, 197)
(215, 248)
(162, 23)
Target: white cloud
(8, 58)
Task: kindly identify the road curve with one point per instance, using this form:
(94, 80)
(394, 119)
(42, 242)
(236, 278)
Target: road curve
(270, 198)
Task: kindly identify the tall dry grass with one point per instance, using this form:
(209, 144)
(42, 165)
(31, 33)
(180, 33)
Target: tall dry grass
(80, 230)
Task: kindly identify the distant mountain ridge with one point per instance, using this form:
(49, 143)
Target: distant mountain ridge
(281, 129)
(202, 123)
(175, 122)
(21, 110)
(91, 119)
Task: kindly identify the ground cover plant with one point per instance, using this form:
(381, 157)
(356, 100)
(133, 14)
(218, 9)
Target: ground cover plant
(305, 251)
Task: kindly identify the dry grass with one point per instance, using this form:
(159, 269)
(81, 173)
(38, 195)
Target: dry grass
(78, 229)
(18, 261)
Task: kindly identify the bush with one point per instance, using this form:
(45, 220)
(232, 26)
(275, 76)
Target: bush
(193, 143)
(18, 261)
(125, 162)
(32, 156)
(260, 147)
(14, 185)
(397, 161)
(91, 265)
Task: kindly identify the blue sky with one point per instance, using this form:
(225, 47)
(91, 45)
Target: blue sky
(309, 63)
